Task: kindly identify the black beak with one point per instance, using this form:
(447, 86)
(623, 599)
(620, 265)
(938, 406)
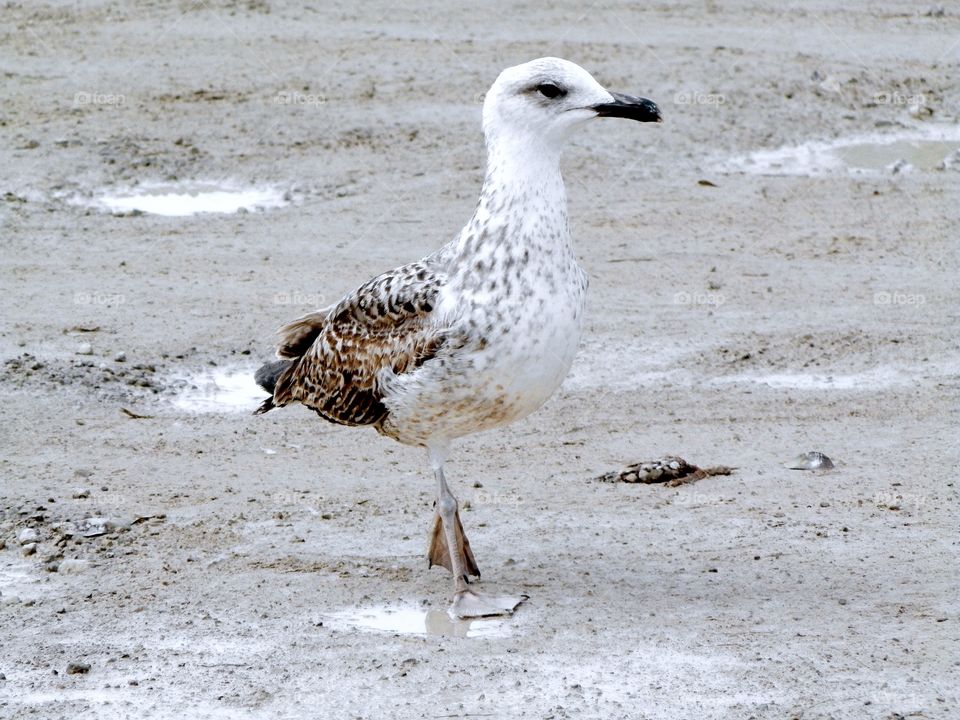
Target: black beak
(632, 108)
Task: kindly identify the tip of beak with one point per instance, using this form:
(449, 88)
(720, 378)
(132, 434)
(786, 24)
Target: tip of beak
(632, 108)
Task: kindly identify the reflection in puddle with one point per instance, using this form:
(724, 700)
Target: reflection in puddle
(182, 199)
(220, 390)
(418, 622)
(923, 149)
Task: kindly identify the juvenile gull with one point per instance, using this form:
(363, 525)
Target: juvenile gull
(478, 334)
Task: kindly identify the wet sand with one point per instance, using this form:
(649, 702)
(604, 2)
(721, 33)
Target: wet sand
(274, 566)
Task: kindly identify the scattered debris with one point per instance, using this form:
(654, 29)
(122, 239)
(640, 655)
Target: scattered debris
(134, 416)
(810, 461)
(670, 470)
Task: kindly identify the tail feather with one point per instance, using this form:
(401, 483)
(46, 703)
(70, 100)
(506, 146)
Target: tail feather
(296, 337)
(267, 377)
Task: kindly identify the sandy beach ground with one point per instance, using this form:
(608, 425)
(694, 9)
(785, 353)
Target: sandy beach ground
(205, 563)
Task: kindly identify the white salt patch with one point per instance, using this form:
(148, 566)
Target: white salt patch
(18, 580)
(184, 199)
(418, 622)
(876, 379)
(923, 148)
(219, 390)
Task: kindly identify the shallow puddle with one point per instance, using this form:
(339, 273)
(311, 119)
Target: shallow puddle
(402, 621)
(184, 199)
(922, 154)
(922, 149)
(218, 390)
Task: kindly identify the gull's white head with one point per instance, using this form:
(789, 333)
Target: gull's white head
(549, 97)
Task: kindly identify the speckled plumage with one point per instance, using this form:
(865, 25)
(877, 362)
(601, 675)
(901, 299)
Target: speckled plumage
(476, 335)
(481, 332)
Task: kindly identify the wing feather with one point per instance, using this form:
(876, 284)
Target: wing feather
(388, 324)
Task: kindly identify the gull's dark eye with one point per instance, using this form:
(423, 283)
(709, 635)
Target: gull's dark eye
(549, 90)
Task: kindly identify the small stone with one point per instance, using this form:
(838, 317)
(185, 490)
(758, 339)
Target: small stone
(813, 460)
(73, 566)
(120, 357)
(28, 549)
(900, 166)
(824, 503)
(84, 348)
(78, 668)
(27, 536)
(81, 493)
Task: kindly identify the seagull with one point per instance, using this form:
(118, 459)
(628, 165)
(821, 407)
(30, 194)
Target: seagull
(478, 334)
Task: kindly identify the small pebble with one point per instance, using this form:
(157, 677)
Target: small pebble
(120, 357)
(84, 348)
(27, 536)
(73, 566)
(28, 549)
(80, 493)
(813, 460)
(78, 668)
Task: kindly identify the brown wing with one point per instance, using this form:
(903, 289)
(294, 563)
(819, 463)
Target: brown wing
(387, 324)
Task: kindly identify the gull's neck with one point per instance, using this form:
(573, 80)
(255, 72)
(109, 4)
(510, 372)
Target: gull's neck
(522, 166)
(523, 201)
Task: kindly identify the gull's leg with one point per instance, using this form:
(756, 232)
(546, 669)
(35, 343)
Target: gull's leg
(458, 558)
(452, 553)
(439, 554)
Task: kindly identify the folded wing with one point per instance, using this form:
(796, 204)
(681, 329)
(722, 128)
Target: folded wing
(339, 355)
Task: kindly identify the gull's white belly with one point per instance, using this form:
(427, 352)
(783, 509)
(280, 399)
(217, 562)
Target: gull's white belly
(504, 361)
